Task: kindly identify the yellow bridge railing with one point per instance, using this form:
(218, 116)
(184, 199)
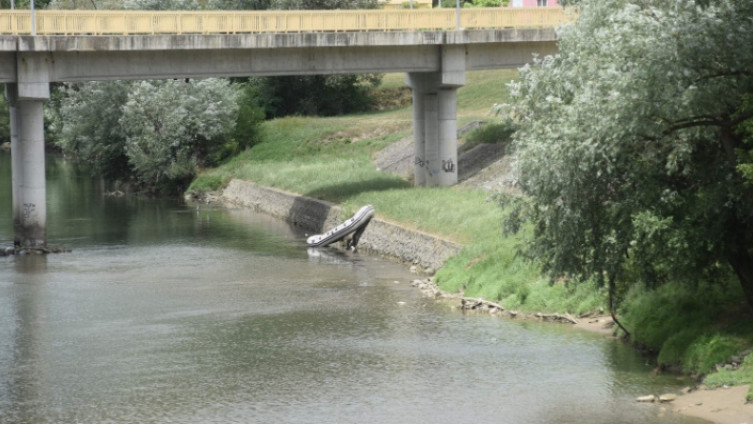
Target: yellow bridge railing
(80, 22)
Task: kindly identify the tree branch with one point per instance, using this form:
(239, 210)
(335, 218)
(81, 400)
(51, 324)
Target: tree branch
(724, 74)
(741, 116)
(696, 121)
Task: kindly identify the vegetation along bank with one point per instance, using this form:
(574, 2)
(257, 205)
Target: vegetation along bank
(629, 203)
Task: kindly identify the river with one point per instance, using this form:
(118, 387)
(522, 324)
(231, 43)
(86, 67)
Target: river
(165, 312)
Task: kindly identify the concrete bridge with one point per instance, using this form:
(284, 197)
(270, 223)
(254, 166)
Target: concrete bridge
(434, 60)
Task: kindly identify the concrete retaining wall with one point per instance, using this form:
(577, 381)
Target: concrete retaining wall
(381, 237)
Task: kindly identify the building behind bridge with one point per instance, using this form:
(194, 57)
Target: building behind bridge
(533, 3)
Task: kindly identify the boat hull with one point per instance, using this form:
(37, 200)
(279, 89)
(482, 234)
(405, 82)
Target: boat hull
(354, 225)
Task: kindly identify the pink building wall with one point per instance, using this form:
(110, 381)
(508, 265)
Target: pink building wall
(533, 3)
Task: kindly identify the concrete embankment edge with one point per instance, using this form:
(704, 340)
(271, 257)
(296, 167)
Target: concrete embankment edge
(381, 237)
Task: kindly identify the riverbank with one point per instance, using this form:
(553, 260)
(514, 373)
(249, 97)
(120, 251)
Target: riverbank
(426, 253)
(423, 250)
(350, 161)
(721, 406)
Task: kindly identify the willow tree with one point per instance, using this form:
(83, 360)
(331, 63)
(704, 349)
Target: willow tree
(173, 128)
(632, 143)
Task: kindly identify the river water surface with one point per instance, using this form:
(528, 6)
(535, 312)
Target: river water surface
(171, 313)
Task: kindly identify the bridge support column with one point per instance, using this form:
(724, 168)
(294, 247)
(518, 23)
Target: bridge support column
(435, 119)
(26, 99)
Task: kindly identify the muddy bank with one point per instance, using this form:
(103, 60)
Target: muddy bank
(316, 216)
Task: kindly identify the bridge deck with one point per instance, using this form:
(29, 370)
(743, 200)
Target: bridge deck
(79, 22)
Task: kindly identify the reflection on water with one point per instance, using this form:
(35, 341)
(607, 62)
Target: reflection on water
(164, 312)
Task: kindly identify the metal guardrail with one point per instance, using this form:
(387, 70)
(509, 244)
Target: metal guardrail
(80, 22)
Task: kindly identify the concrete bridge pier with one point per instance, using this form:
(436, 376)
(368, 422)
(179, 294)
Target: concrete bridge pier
(435, 119)
(26, 99)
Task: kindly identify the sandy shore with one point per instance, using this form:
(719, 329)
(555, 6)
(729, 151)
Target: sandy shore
(602, 324)
(722, 406)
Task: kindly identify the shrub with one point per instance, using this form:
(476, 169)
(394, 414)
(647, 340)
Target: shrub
(205, 183)
(744, 375)
(4, 121)
(681, 323)
(498, 132)
(707, 351)
(172, 128)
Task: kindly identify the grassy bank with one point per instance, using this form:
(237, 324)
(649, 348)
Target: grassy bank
(331, 159)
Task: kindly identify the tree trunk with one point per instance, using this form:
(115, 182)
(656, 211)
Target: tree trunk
(742, 262)
(740, 252)
(612, 306)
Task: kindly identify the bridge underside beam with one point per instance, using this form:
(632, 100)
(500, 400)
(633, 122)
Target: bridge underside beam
(88, 66)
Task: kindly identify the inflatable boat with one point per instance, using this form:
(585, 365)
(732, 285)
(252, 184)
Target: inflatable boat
(355, 225)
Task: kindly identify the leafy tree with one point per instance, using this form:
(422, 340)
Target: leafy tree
(323, 95)
(172, 127)
(4, 120)
(239, 4)
(86, 4)
(162, 4)
(25, 4)
(317, 94)
(745, 129)
(487, 3)
(117, 130)
(453, 3)
(324, 4)
(246, 133)
(630, 143)
(87, 124)
(157, 133)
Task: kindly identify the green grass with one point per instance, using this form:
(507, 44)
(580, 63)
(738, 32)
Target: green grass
(482, 90)
(491, 133)
(690, 327)
(741, 376)
(492, 269)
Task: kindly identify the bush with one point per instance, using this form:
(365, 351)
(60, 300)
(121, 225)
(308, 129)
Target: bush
(453, 3)
(316, 95)
(488, 3)
(706, 351)
(205, 183)
(246, 133)
(173, 128)
(86, 121)
(684, 326)
(497, 132)
(744, 375)
(4, 120)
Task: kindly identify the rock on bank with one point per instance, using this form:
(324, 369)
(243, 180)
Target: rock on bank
(317, 216)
